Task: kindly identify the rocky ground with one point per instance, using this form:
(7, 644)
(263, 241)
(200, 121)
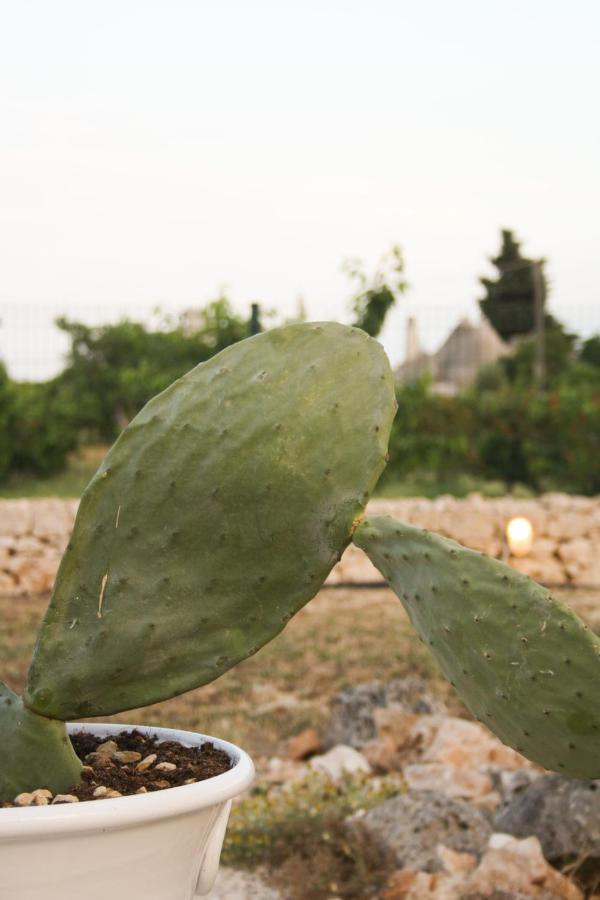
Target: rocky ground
(436, 807)
(347, 686)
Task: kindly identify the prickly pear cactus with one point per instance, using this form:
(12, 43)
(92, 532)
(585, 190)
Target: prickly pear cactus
(522, 661)
(34, 751)
(218, 513)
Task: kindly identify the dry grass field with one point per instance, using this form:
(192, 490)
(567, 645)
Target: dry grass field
(343, 637)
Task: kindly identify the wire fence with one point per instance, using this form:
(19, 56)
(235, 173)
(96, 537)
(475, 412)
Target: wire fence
(34, 349)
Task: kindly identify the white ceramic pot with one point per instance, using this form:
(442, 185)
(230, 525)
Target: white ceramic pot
(157, 846)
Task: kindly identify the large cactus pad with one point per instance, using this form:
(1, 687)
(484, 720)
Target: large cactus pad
(522, 661)
(35, 752)
(218, 513)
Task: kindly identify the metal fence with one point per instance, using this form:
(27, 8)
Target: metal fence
(33, 348)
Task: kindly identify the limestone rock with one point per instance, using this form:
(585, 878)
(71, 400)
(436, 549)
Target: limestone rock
(512, 782)
(449, 780)
(576, 555)
(406, 883)
(8, 583)
(352, 719)
(566, 529)
(547, 570)
(16, 517)
(563, 813)
(454, 862)
(28, 546)
(339, 760)
(509, 870)
(232, 884)
(52, 518)
(304, 744)
(395, 742)
(404, 738)
(568, 525)
(514, 868)
(412, 825)
(282, 771)
(449, 739)
(476, 530)
(589, 575)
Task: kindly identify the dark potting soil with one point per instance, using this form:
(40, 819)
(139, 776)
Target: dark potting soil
(131, 762)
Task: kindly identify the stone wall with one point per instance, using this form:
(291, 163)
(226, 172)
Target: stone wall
(34, 534)
(566, 534)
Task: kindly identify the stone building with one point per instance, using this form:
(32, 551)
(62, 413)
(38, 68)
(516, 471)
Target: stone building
(456, 364)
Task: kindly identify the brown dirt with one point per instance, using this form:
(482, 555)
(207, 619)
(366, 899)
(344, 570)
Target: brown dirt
(103, 770)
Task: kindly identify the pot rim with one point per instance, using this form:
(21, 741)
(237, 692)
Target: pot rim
(121, 812)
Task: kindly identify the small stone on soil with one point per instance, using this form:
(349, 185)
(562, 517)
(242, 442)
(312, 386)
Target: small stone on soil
(39, 797)
(107, 748)
(126, 766)
(126, 756)
(146, 763)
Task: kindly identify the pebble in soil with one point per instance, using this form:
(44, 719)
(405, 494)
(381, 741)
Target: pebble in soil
(131, 763)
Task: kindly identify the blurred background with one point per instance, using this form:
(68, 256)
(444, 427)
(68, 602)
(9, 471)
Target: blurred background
(425, 171)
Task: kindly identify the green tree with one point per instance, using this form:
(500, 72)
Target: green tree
(376, 296)
(113, 370)
(43, 427)
(431, 433)
(559, 352)
(218, 326)
(509, 298)
(590, 351)
(6, 409)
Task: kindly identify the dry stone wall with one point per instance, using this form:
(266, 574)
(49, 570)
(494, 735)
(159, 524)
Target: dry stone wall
(566, 529)
(34, 534)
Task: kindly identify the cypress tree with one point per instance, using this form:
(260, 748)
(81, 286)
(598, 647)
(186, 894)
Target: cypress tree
(509, 299)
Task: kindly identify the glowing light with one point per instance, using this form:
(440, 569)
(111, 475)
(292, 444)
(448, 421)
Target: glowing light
(519, 534)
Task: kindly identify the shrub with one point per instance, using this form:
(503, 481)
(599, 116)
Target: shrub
(6, 405)
(43, 428)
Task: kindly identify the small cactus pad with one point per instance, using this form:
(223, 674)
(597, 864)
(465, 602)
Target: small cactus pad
(522, 661)
(218, 513)
(34, 752)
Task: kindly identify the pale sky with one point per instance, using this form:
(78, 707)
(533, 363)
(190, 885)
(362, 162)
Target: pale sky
(152, 152)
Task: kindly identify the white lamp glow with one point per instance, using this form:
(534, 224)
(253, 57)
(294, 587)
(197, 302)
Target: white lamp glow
(519, 534)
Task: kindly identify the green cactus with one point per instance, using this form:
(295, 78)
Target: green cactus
(35, 752)
(216, 516)
(219, 513)
(524, 664)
